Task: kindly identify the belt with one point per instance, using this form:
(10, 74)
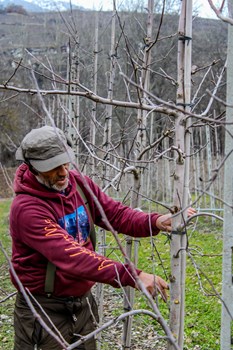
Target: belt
(53, 297)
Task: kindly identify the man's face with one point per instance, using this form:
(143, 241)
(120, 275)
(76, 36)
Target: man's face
(57, 178)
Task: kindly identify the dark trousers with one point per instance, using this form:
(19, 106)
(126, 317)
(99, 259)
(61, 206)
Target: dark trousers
(73, 318)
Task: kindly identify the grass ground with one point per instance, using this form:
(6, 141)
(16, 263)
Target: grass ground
(203, 279)
(6, 288)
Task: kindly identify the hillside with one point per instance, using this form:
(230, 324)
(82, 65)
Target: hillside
(40, 5)
(51, 39)
(41, 32)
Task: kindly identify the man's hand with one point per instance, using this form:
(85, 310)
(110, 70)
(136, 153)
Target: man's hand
(154, 284)
(163, 223)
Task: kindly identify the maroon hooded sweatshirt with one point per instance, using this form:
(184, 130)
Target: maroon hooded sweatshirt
(47, 225)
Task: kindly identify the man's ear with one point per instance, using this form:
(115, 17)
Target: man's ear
(69, 140)
(32, 170)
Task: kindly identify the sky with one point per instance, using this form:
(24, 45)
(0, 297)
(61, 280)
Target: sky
(202, 5)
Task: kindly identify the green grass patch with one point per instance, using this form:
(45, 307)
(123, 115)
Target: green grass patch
(4, 227)
(6, 287)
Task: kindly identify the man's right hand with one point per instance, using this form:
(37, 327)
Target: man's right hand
(154, 284)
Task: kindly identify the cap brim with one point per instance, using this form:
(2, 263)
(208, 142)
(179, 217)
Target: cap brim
(19, 154)
(52, 163)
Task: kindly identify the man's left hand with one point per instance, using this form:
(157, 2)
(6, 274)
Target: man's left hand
(163, 223)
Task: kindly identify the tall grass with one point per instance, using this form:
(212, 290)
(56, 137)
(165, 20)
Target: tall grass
(6, 288)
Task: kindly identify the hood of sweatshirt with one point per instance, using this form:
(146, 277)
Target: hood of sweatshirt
(26, 182)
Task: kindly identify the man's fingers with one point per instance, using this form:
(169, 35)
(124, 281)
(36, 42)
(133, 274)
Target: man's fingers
(160, 286)
(161, 291)
(191, 211)
(154, 284)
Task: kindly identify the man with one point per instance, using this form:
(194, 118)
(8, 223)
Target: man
(53, 247)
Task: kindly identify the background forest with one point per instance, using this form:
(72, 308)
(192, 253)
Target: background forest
(52, 43)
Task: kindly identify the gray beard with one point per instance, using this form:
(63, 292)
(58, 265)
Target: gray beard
(42, 181)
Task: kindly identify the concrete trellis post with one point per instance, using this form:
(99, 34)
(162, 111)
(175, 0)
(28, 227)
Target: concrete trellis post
(209, 167)
(227, 282)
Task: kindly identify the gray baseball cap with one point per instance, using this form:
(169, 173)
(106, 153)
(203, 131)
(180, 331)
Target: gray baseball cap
(45, 148)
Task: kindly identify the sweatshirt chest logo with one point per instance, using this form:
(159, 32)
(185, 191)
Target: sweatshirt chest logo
(76, 224)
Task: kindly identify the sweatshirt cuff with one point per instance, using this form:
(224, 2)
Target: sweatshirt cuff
(154, 218)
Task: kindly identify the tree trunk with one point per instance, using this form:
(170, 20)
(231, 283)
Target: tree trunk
(94, 105)
(181, 176)
(108, 117)
(141, 144)
(73, 101)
